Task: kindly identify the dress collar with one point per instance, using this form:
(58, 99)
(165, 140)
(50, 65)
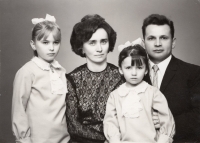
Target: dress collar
(123, 90)
(45, 65)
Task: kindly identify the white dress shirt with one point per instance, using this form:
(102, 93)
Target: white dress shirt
(162, 68)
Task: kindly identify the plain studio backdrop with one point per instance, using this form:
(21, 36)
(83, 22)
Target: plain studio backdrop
(125, 16)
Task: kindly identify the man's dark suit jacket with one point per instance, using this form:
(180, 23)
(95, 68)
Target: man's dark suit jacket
(181, 87)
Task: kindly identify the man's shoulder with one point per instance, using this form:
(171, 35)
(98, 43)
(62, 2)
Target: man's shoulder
(184, 64)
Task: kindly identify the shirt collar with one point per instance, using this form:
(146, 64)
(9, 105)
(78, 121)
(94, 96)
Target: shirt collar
(162, 65)
(123, 90)
(45, 65)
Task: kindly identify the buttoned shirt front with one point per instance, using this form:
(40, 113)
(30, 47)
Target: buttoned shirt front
(162, 68)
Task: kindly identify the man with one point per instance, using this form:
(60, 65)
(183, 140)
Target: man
(178, 81)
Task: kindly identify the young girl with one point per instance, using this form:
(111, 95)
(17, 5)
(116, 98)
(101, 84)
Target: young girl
(129, 108)
(38, 106)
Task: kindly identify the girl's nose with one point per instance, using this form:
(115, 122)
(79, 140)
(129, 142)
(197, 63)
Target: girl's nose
(158, 42)
(51, 47)
(134, 71)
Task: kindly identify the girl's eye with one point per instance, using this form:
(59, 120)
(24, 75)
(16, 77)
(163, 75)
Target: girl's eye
(56, 43)
(45, 42)
(140, 67)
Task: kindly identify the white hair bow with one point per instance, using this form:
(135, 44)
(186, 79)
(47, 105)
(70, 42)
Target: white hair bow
(48, 18)
(127, 44)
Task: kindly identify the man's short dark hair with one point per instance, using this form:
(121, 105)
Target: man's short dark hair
(156, 19)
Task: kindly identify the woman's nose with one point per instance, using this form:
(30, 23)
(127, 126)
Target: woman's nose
(99, 48)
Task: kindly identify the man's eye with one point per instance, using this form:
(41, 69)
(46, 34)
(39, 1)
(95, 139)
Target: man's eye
(151, 38)
(164, 38)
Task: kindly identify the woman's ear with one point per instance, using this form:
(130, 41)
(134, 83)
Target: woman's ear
(120, 71)
(32, 43)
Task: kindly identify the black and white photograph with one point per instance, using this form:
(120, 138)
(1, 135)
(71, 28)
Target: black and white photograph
(99, 71)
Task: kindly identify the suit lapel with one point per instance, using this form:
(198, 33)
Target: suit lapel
(169, 73)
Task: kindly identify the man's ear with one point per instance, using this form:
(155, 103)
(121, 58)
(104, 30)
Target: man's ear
(32, 43)
(120, 71)
(173, 43)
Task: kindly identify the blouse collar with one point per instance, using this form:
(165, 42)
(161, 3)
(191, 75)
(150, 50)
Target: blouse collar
(45, 65)
(123, 90)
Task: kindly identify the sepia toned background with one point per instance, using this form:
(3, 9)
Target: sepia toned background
(125, 16)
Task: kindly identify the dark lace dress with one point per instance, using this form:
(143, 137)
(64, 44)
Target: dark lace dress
(86, 102)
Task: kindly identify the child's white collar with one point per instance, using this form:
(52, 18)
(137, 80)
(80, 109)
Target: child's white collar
(45, 65)
(123, 90)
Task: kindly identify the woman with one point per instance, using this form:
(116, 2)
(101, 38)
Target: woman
(90, 84)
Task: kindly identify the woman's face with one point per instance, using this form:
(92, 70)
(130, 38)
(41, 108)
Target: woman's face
(96, 48)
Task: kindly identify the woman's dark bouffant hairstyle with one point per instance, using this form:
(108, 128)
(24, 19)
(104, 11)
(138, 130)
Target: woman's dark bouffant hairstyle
(138, 54)
(84, 30)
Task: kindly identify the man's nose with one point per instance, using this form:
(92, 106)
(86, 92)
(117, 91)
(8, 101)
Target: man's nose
(158, 42)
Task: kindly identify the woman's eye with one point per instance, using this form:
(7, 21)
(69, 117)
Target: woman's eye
(104, 42)
(127, 68)
(92, 43)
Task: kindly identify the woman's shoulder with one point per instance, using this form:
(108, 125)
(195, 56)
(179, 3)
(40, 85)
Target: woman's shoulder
(112, 66)
(78, 69)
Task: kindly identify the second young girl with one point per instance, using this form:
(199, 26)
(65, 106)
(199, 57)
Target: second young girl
(129, 108)
(38, 106)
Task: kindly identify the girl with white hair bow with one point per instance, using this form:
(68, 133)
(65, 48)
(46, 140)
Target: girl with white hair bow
(38, 105)
(128, 117)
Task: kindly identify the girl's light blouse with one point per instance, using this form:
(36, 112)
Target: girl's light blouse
(38, 105)
(137, 125)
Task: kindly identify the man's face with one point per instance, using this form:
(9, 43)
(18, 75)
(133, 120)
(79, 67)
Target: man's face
(158, 42)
